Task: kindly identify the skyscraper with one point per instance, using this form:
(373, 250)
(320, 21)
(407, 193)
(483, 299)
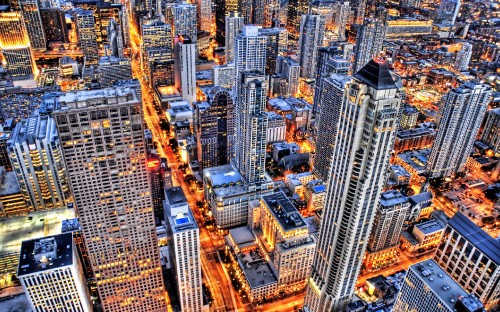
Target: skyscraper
(342, 13)
(33, 21)
(185, 22)
(491, 130)
(102, 135)
(115, 39)
(296, 8)
(223, 8)
(332, 98)
(459, 118)
(51, 274)
(214, 128)
(205, 15)
(185, 65)
(251, 126)
(277, 45)
(359, 7)
(368, 42)
(156, 35)
(463, 57)
(233, 24)
(36, 158)
(112, 69)
(312, 29)
(249, 53)
(54, 25)
(85, 25)
(448, 11)
(368, 121)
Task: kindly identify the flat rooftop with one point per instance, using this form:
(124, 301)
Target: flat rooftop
(183, 221)
(392, 198)
(36, 224)
(168, 91)
(175, 196)
(257, 270)
(10, 185)
(284, 211)
(47, 253)
(429, 227)
(242, 235)
(416, 159)
(79, 98)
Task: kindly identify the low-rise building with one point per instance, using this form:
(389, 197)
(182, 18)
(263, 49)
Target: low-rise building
(422, 237)
(421, 206)
(283, 149)
(297, 182)
(315, 195)
(276, 128)
(415, 163)
(420, 137)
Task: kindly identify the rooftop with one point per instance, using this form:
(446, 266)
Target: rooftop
(10, 185)
(377, 75)
(47, 253)
(182, 221)
(81, 99)
(242, 236)
(392, 198)
(284, 211)
(175, 196)
(416, 159)
(476, 236)
(257, 270)
(429, 227)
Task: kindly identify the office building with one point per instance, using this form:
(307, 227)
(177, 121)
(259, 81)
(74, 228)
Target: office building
(223, 75)
(312, 28)
(368, 42)
(409, 117)
(233, 23)
(331, 102)
(276, 128)
(113, 69)
(222, 9)
(422, 237)
(36, 158)
(463, 57)
(156, 35)
(342, 14)
(155, 167)
(277, 45)
(54, 25)
(87, 37)
(448, 11)
(249, 53)
(356, 178)
(251, 123)
(214, 128)
(185, 67)
(359, 8)
(185, 247)
(30, 11)
(289, 70)
(407, 28)
(459, 118)
(12, 202)
(392, 211)
(472, 258)
(111, 192)
(296, 8)
(115, 39)
(51, 274)
(184, 21)
(427, 288)
(15, 46)
(205, 15)
(491, 130)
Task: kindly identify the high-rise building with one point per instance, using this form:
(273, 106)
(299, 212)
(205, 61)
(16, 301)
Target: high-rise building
(112, 69)
(156, 35)
(459, 118)
(31, 15)
(86, 29)
(448, 11)
(185, 65)
(359, 8)
(472, 258)
(332, 98)
(51, 274)
(54, 25)
(185, 22)
(312, 29)
(205, 15)
(296, 8)
(222, 9)
(427, 287)
(342, 14)
(368, 42)
(214, 128)
(491, 130)
(463, 58)
(36, 158)
(271, 13)
(251, 126)
(392, 211)
(233, 24)
(15, 46)
(115, 39)
(277, 45)
(186, 250)
(249, 53)
(290, 70)
(409, 117)
(102, 137)
(368, 120)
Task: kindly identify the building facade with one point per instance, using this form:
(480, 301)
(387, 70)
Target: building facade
(185, 67)
(491, 131)
(312, 29)
(32, 19)
(368, 41)
(87, 37)
(233, 23)
(112, 69)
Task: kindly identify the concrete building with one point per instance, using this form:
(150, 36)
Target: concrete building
(222, 9)
(277, 45)
(35, 154)
(112, 69)
(342, 15)
(12, 202)
(290, 70)
(409, 118)
(109, 182)
(30, 10)
(204, 13)
(463, 57)
(185, 67)
(214, 128)
(331, 102)
(459, 117)
(276, 128)
(296, 182)
(420, 137)
(472, 258)
(448, 11)
(312, 29)
(233, 24)
(428, 288)
(115, 39)
(315, 195)
(422, 237)
(52, 276)
(87, 37)
(185, 247)
(407, 28)
(491, 131)
(223, 76)
(185, 21)
(368, 41)
(356, 178)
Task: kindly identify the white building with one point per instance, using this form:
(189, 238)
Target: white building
(205, 14)
(185, 247)
(356, 178)
(368, 42)
(315, 195)
(448, 11)
(233, 24)
(223, 75)
(185, 65)
(185, 21)
(459, 118)
(463, 58)
(312, 29)
(52, 276)
(297, 182)
(276, 128)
